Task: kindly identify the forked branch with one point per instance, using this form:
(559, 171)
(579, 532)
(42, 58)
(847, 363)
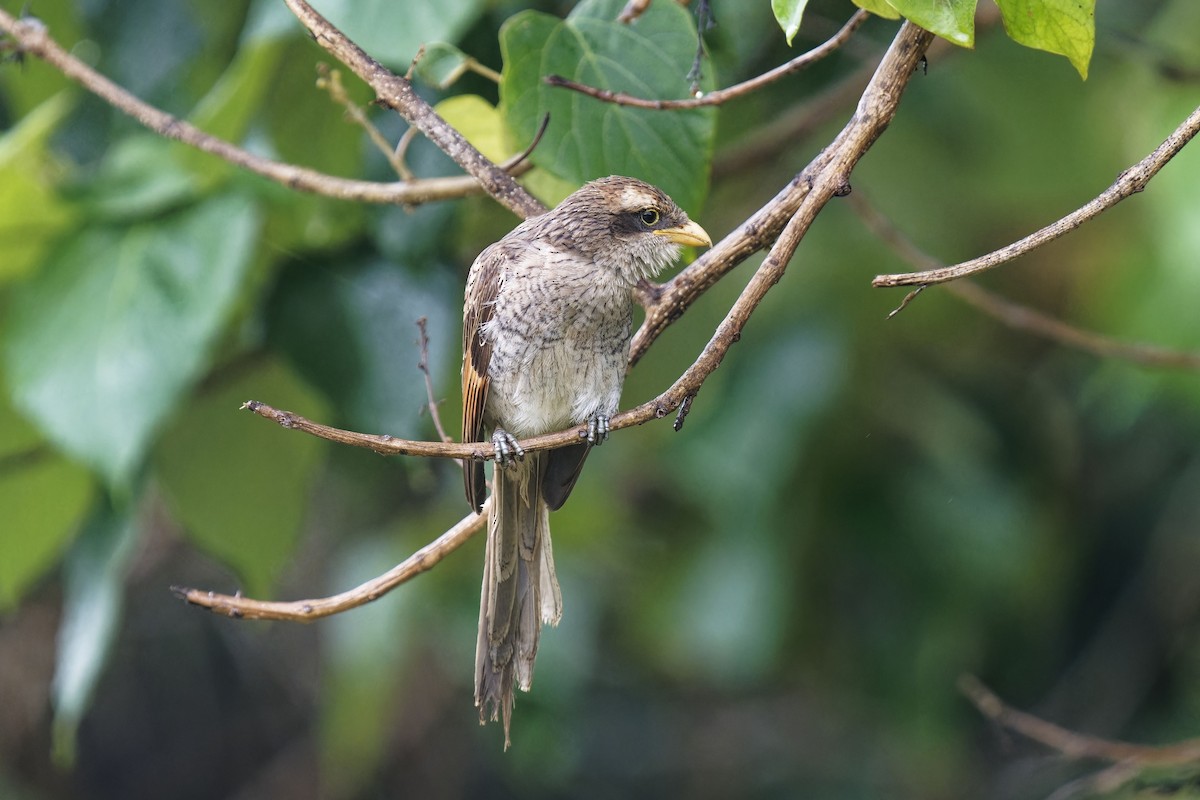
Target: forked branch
(31, 37)
(785, 219)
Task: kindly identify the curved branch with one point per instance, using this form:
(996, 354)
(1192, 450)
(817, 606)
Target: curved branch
(32, 37)
(398, 94)
(1016, 315)
(424, 559)
(1072, 744)
(720, 96)
(1128, 183)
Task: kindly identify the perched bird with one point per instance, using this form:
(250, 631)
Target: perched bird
(546, 329)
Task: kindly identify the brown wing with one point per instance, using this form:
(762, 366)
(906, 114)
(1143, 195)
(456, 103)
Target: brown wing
(482, 283)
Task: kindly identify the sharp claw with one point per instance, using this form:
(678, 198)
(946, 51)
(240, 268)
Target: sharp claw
(508, 450)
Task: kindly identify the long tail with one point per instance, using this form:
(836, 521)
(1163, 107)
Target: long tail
(520, 590)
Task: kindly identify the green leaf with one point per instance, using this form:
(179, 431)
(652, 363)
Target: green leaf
(32, 215)
(92, 607)
(103, 340)
(440, 64)
(392, 32)
(788, 14)
(953, 20)
(232, 103)
(141, 176)
(880, 8)
(588, 138)
(43, 496)
(1063, 27)
(479, 121)
(239, 484)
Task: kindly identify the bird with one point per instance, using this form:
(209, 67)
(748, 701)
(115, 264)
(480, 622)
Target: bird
(547, 323)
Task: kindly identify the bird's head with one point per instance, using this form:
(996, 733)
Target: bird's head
(629, 225)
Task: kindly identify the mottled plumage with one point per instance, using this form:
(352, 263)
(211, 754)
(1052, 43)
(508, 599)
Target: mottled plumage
(546, 330)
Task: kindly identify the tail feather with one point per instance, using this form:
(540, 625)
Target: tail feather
(520, 590)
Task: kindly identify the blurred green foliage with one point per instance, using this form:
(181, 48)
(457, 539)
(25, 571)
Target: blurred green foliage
(774, 602)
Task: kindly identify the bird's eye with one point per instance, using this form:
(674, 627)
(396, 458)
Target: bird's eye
(649, 217)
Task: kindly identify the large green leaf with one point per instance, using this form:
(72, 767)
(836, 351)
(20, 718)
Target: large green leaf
(92, 605)
(588, 138)
(239, 484)
(32, 214)
(392, 32)
(953, 20)
(43, 496)
(105, 338)
(1065, 27)
(141, 176)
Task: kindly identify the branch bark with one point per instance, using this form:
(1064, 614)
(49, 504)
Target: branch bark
(32, 37)
(1072, 744)
(398, 94)
(1015, 315)
(239, 607)
(1128, 183)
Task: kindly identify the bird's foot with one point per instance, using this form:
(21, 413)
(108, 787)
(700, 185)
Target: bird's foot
(597, 429)
(508, 450)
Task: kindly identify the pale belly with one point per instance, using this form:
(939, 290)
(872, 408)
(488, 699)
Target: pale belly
(557, 385)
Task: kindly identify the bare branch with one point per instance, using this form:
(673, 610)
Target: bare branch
(720, 95)
(1069, 743)
(828, 175)
(397, 93)
(423, 365)
(32, 37)
(424, 559)
(1015, 315)
(1024, 318)
(331, 81)
(1128, 183)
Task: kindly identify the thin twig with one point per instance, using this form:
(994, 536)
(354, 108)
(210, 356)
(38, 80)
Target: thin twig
(423, 365)
(1016, 315)
(395, 92)
(331, 81)
(424, 559)
(32, 37)
(705, 21)
(720, 96)
(1024, 318)
(1128, 183)
(1069, 743)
